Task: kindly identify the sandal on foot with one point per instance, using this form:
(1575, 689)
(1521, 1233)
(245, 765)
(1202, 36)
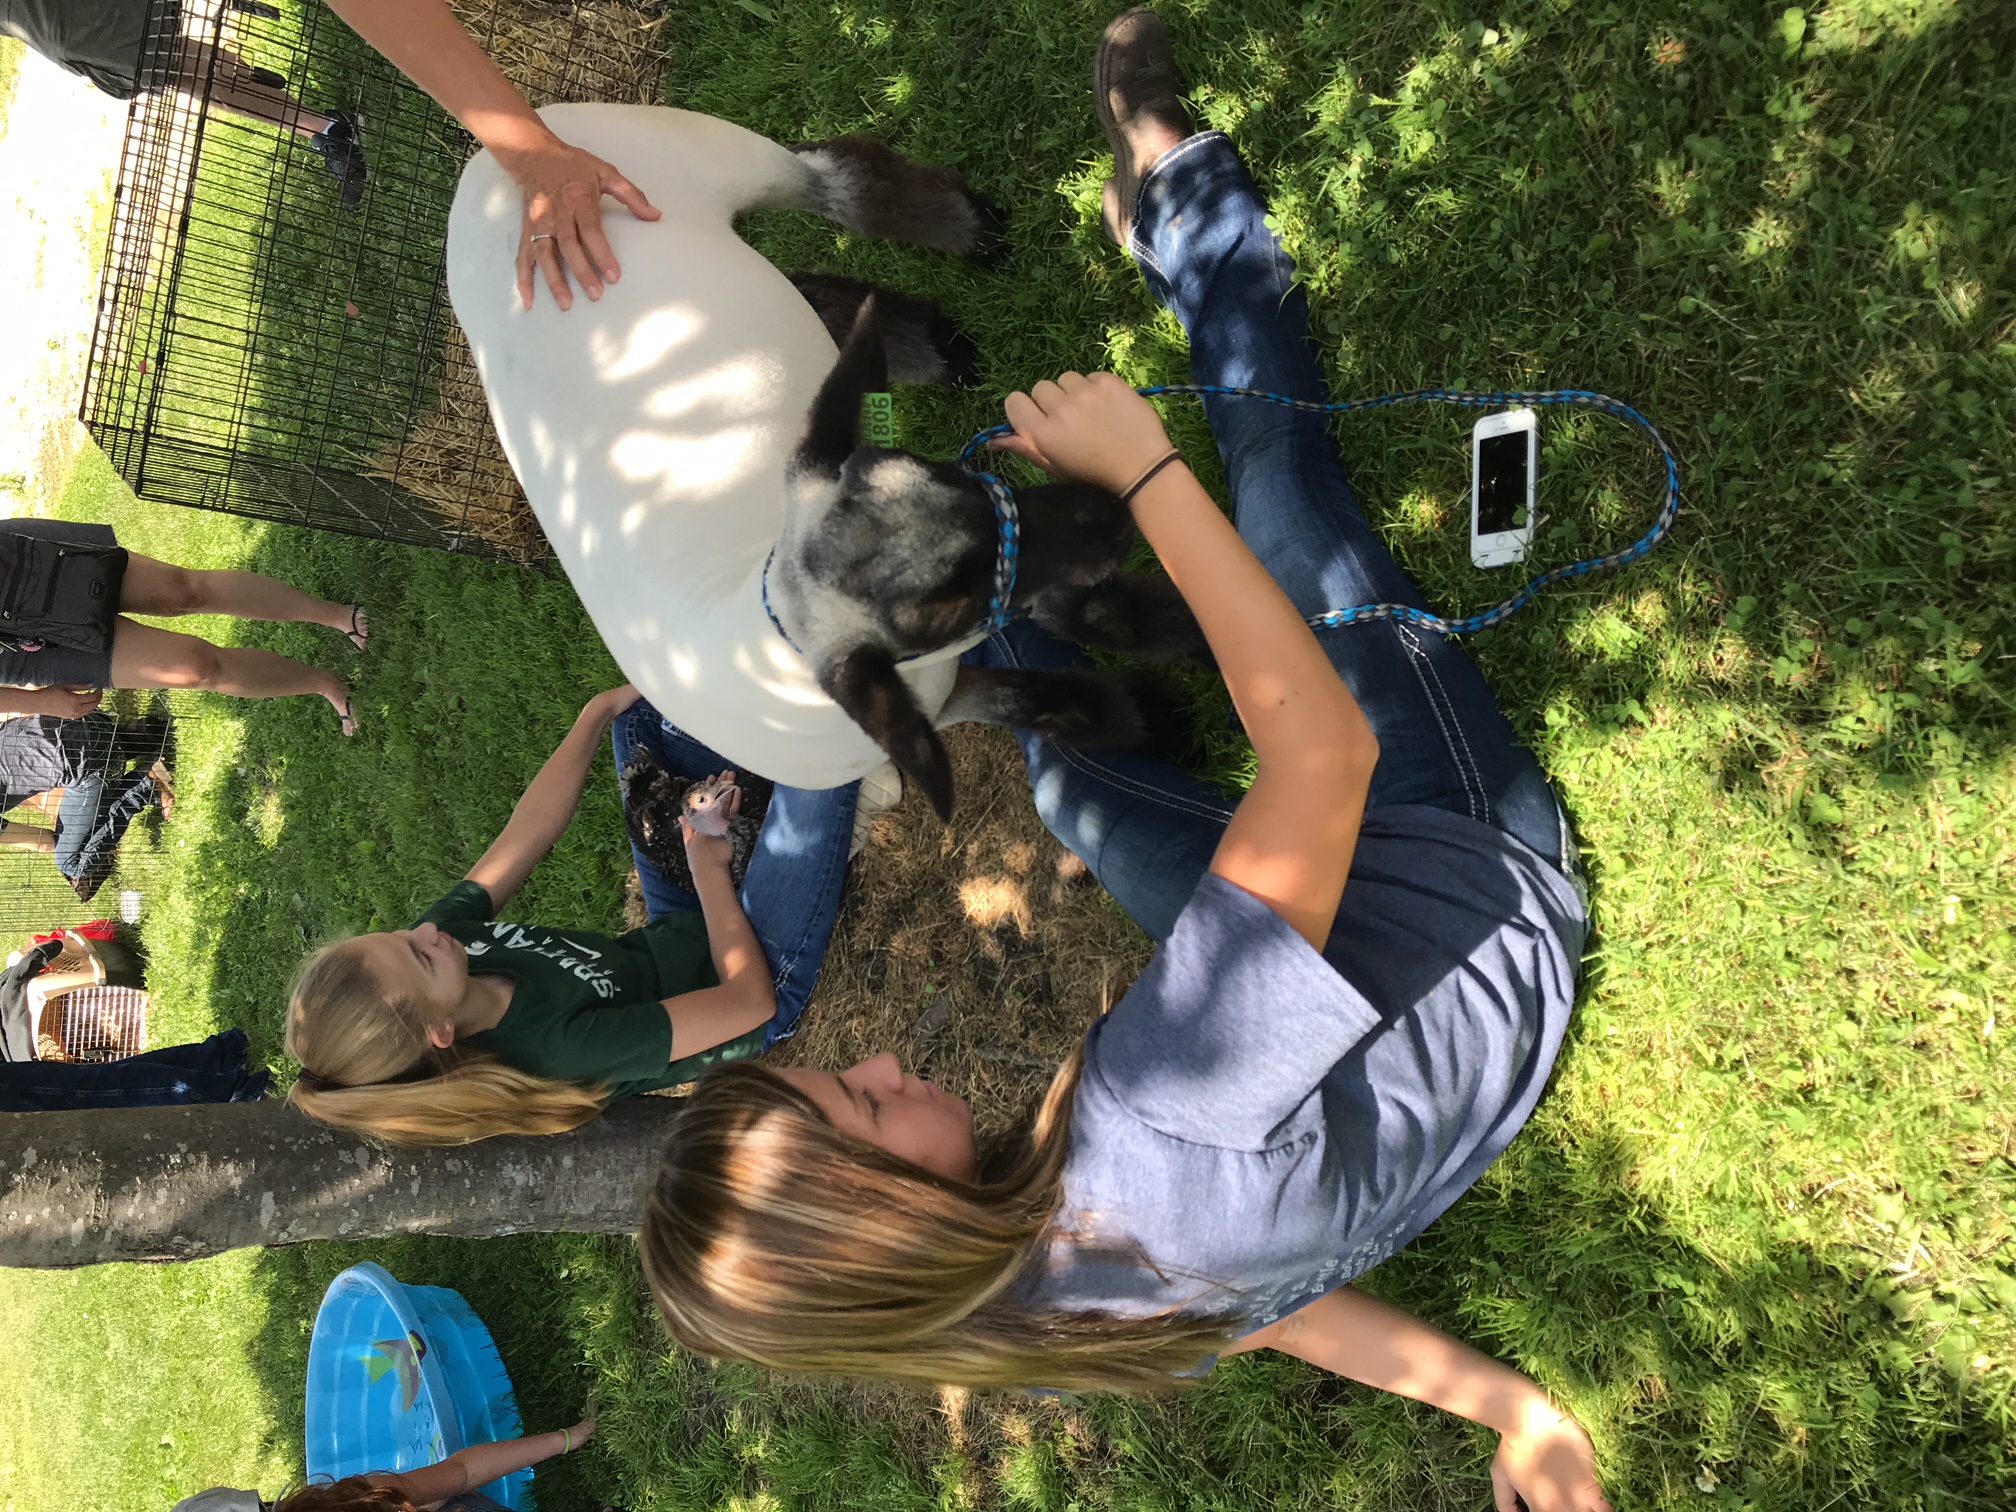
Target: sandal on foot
(360, 628)
(1136, 89)
(349, 720)
(86, 886)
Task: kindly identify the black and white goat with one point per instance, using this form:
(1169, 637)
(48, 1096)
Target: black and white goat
(791, 597)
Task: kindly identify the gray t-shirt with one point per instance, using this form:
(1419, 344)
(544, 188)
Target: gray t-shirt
(1258, 1124)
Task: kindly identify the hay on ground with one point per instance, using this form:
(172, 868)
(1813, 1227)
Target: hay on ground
(975, 950)
(451, 458)
(962, 948)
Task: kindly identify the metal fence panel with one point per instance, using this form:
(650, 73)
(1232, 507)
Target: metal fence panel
(262, 351)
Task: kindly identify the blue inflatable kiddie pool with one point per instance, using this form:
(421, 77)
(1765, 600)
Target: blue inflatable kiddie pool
(403, 1376)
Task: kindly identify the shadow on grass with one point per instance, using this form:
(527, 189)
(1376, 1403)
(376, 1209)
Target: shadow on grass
(1787, 240)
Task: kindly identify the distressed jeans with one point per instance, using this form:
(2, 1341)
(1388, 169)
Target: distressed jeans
(92, 819)
(792, 889)
(1145, 827)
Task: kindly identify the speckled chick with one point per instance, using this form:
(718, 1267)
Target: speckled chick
(654, 799)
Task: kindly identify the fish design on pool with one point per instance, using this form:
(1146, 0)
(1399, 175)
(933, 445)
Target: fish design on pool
(402, 1356)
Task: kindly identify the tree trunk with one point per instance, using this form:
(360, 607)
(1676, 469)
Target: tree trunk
(184, 1182)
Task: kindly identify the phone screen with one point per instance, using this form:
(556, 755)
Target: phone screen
(1501, 481)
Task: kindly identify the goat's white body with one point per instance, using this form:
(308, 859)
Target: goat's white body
(650, 430)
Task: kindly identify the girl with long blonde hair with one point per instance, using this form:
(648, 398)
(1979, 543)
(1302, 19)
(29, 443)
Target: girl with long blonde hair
(1365, 968)
(464, 1026)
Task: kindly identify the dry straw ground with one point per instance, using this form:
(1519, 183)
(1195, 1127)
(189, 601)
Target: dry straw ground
(978, 951)
(451, 458)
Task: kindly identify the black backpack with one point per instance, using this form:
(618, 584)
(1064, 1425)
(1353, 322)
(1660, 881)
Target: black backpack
(62, 593)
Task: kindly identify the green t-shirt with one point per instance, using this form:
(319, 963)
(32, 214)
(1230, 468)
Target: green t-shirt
(589, 1007)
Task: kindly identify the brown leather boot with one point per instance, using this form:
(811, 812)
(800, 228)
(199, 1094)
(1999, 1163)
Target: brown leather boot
(1137, 94)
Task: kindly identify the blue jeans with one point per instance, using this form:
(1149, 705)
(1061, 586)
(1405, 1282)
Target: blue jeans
(211, 1071)
(1145, 827)
(792, 890)
(93, 816)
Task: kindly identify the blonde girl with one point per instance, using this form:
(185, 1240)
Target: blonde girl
(1364, 973)
(464, 1026)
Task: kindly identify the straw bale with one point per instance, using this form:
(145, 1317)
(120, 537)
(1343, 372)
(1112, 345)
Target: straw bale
(594, 50)
(451, 458)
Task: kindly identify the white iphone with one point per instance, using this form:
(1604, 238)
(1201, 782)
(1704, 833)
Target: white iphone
(1504, 470)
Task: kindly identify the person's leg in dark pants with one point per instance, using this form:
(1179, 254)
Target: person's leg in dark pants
(93, 818)
(792, 890)
(1200, 235)
(1145, 827)
(212, 1071)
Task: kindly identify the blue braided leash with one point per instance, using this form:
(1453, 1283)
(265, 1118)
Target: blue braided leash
(998, 613)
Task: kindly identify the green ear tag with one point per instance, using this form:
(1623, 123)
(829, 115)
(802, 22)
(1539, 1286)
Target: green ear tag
(878, 420)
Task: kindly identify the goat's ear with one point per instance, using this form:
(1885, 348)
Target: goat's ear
(866, 684)
(834, 429)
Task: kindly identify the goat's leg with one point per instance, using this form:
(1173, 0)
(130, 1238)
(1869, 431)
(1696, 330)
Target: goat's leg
(1135, 612)
(869, 187)
(923, 343)
(866, 684)
(1113, 711)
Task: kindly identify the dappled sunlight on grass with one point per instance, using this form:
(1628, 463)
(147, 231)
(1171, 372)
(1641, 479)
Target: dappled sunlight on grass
(1757, 1236)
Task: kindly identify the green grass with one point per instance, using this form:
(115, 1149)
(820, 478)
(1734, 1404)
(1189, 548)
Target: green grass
(1759, 1235)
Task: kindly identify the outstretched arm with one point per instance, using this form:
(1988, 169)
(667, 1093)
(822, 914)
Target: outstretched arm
(64, 700)
(1291, 840)
(1544, 1458)
(479, 1464)
(543, 814)
(563, 186)
(747, 997)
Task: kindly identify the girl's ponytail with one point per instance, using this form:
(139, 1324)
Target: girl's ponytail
(368, 1066)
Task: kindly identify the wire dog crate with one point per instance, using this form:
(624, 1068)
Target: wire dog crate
(263, 351)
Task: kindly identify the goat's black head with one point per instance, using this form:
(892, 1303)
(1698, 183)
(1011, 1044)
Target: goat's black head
(888, 555)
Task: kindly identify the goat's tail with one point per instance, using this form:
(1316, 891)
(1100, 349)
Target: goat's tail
(870, 188)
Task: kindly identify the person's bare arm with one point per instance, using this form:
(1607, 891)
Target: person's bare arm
(68, 701)
(1543, 1456)
(18, 836)
(746, 997)
(1291, 839)
(543, 814)
(562, 185)
(479, 1464)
